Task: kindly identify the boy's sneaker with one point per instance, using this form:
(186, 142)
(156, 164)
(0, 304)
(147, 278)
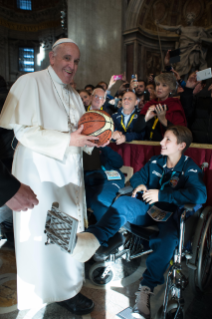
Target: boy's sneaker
(141, 310)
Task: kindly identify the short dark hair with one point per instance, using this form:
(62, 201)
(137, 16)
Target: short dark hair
(89, 86)
(141, 80)
(183, 134)
(99, 84)
(85, 91)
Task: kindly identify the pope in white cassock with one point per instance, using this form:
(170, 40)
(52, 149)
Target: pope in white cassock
(44, 110)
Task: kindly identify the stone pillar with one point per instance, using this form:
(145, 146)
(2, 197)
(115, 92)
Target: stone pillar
(97, 28)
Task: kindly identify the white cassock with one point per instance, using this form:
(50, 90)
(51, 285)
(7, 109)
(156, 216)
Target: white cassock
(35, 109)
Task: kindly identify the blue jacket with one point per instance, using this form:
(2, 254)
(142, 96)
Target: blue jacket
(129, 130)
(110, 160)
(184, 184)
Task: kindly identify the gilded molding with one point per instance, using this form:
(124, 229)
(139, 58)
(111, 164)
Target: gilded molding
(29, 27)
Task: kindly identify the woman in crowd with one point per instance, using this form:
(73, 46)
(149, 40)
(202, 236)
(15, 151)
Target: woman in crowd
(86, 98)
(161, 112)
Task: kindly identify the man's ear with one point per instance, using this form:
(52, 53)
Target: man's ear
(182, 146)
(51, 57)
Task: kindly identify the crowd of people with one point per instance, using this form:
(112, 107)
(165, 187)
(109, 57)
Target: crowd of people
(160, 101)
(49, 157)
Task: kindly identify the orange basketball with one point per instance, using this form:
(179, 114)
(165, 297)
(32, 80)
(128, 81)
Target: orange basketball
(99, 124)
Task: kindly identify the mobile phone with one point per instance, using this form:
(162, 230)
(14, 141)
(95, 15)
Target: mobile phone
(163, 106)
(117, 77)
(204, 74)
(134, 77)
(139, 195)
(174, 56)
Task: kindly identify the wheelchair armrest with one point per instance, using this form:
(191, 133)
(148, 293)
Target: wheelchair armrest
(125, 190)
(189, 207)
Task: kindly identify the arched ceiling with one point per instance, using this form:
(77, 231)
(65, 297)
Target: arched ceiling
(143, 13)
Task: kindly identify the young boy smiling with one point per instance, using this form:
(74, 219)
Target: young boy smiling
(168, 181)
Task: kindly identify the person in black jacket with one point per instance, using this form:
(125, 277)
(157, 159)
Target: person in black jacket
(103, 180)
(15, 195)
(197, 104)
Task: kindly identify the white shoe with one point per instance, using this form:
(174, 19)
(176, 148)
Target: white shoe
(141, 309)
(86, 246)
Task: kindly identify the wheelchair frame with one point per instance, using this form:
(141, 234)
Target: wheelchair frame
(199, 262)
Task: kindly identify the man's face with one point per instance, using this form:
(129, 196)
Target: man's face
(97, 99)
(169, 145)
(86, 98)
(129, 101)
(139, 90)
(65, 62)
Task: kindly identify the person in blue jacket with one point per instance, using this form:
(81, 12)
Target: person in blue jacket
(125, 119)
(103, 182)
(168, 181)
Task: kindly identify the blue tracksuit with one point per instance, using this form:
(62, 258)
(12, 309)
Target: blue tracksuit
(127, 130)
(176, 187)
(100, 192)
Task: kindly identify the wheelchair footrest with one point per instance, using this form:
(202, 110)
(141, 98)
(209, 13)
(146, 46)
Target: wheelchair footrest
(114, 242)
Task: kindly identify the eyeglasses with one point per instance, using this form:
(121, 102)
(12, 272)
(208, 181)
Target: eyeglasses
(98, 97)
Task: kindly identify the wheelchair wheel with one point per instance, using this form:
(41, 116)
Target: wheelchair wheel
(101, 274)
(200, 277)
(171, 311)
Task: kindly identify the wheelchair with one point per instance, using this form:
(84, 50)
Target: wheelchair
(130, 243)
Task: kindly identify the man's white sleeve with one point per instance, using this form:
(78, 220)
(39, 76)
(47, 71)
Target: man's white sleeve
(47, 142)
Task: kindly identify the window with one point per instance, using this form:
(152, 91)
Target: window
(26, 60)
(24, 4)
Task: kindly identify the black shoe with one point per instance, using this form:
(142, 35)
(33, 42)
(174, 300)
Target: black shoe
(78, 305)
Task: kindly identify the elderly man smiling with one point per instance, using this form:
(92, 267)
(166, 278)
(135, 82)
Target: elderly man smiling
(44, 110)
(97, 99)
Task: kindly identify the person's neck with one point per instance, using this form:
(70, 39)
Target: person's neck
(127, 112)
(173, 160)
(163, 99)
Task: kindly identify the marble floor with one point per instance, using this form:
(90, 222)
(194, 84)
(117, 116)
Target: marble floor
(109, 301)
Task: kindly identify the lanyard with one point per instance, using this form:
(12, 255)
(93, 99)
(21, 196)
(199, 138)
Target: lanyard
(129, 122)
(88, 109)
(153, 127)
(161, 180)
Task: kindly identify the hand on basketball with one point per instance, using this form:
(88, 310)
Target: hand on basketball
(80, 140)
(151, 196)
(121, 139)
(139, 188)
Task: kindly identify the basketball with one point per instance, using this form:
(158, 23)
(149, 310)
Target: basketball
(99, 124)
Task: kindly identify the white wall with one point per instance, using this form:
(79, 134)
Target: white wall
(96, 26)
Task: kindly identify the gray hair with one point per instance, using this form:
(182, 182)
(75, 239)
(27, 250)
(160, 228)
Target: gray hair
(99, 89)
(167, 78)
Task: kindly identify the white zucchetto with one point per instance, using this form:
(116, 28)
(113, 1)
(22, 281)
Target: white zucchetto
(63, 40)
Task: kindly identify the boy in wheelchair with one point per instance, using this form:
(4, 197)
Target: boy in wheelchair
(168, 181)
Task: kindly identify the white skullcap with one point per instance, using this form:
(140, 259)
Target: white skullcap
(63, 40)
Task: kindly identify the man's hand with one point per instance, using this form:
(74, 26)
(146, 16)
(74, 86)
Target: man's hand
(167, 58)
(116, 135)
(80, 140)
(111, 83)
(150, 113)
(139, 188)
(24, 199)
(151, 196)
(176, 74)
(210, 89)
(121, 140)
(192, 81)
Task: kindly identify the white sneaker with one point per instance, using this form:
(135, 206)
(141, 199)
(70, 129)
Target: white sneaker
(141, 309)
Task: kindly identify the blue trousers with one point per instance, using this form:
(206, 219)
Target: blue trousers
(100, 197)
(128, 209)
